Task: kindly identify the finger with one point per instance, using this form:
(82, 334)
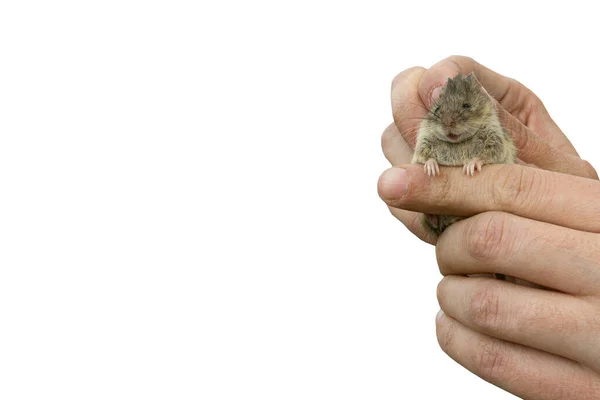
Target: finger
(549, 321)
(525, 372)
(407, 107)
(521, 162)
(397, 151)
(527, 192)
(394, 146)
(412, 221)
(549, 255)
(512, 96)
(534, 149)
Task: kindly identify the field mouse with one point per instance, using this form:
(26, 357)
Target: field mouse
(461, 129)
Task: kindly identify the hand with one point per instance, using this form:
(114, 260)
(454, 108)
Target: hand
(538, 140)
(536, 225)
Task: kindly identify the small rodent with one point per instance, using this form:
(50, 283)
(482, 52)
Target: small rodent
(461, 129)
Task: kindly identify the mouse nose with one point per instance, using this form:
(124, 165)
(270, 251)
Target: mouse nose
(448, 122)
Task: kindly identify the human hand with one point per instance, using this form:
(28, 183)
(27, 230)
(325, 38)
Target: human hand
(538, 139)
(536, 225)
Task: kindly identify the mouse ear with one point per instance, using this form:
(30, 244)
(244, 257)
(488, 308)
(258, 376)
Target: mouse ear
(474, 82)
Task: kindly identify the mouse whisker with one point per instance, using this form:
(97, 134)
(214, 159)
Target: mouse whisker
(409, 131)
(413, 104)
(472, 131)
(413, 128)
(412, 118)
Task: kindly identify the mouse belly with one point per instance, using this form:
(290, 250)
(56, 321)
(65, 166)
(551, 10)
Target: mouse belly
(455, 155)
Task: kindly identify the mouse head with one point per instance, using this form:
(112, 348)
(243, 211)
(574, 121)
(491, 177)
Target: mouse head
(460, 109)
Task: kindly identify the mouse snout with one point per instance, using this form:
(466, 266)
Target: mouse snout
(448, 122)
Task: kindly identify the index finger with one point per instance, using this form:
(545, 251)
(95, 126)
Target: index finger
(408, 109)
(514, 97)
(528, 192)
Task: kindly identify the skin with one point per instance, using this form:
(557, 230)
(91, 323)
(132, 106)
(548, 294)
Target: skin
(536, 220)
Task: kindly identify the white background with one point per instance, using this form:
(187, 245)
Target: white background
(188, 205)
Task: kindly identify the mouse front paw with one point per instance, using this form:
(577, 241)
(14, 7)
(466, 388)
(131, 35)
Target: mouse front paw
(431, 167)
(472, 167)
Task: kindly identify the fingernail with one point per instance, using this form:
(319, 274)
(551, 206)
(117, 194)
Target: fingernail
(393, 183)
(439, 315)
(435, 93)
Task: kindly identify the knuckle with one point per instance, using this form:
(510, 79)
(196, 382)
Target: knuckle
(404, 75)
(386, 140)
(519, 135)
(492, 360)
(522, 102)
(441, 190)
(440, 290)
(516, 187)
(445, 333)
(486, 237)
(589, 170)
(462, 61)
(529, 104)
(508, 187)
(484, 306)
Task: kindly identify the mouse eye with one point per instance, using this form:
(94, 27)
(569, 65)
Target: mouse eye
(436, 110)
(466, 105)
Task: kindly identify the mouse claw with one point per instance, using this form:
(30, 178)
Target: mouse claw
(472, 167)
(431, 167)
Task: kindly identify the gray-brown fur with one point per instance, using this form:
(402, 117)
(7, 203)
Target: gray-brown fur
(461, 129)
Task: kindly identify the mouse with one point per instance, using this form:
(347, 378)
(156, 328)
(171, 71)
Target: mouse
(462, 128)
